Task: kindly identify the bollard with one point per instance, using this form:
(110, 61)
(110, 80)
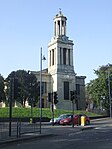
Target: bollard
(18, 129)
(31, 120)
(83, 121)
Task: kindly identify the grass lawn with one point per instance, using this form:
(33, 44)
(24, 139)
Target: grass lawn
(46, 112)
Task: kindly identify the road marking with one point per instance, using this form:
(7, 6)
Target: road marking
(66, 140)
(74, 133)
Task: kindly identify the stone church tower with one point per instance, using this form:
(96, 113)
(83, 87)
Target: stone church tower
(60, 62)
(60, 76)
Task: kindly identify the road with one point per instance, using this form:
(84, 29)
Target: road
(97, 138)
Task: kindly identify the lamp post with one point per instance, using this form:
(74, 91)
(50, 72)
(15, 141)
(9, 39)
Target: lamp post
(109, 94)
(31, 100)
(41, 58)
(10, 110)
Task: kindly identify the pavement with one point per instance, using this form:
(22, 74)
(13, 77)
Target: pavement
(47, 131)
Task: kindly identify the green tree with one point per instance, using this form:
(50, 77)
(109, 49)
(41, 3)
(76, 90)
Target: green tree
(2, 91)
(98, 88)
(33, 89)
(24, 87)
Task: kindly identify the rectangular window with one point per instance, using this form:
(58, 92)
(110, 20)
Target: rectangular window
(66, 90)
(42, 103)
(68, 56)
(58, 27)
(64, 56)
(52, 56)
(50, 59)
(44, 87)
(54, 28)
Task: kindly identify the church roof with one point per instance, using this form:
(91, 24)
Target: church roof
(44, 70)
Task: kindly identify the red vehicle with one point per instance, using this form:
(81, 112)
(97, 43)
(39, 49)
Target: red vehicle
(76, 119)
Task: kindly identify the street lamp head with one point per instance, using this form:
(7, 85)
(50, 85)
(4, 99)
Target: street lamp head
(43, 58)
(29, 72)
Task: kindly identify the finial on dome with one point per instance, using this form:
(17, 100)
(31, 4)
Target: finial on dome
(60, 12)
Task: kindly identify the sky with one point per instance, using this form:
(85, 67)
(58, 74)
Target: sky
(27, 25)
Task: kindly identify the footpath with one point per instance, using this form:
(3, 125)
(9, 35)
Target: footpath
(48, 130)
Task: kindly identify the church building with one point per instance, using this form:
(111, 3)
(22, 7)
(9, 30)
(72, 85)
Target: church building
(60, 76)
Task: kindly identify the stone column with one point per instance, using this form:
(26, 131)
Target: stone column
(55, 56)
(51, 57)
(55, 28)
(71, 57)
(64, 28)
(60, 27)
(62, 54)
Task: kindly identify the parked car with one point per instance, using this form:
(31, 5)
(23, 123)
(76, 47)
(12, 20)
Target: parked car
(61, 117)
(76, 119)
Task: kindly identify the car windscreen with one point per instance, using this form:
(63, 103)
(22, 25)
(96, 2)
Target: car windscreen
(64, 116)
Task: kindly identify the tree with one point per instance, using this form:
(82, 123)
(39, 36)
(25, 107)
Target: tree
(33, 90)
(98, 88)
(9, 87)
(24, 87)
(2, 91)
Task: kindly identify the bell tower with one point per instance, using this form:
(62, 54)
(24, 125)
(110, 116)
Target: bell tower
(60, 62)
(60, 25)
(60, 49)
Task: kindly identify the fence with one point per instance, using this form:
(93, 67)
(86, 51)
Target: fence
(17, 127)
